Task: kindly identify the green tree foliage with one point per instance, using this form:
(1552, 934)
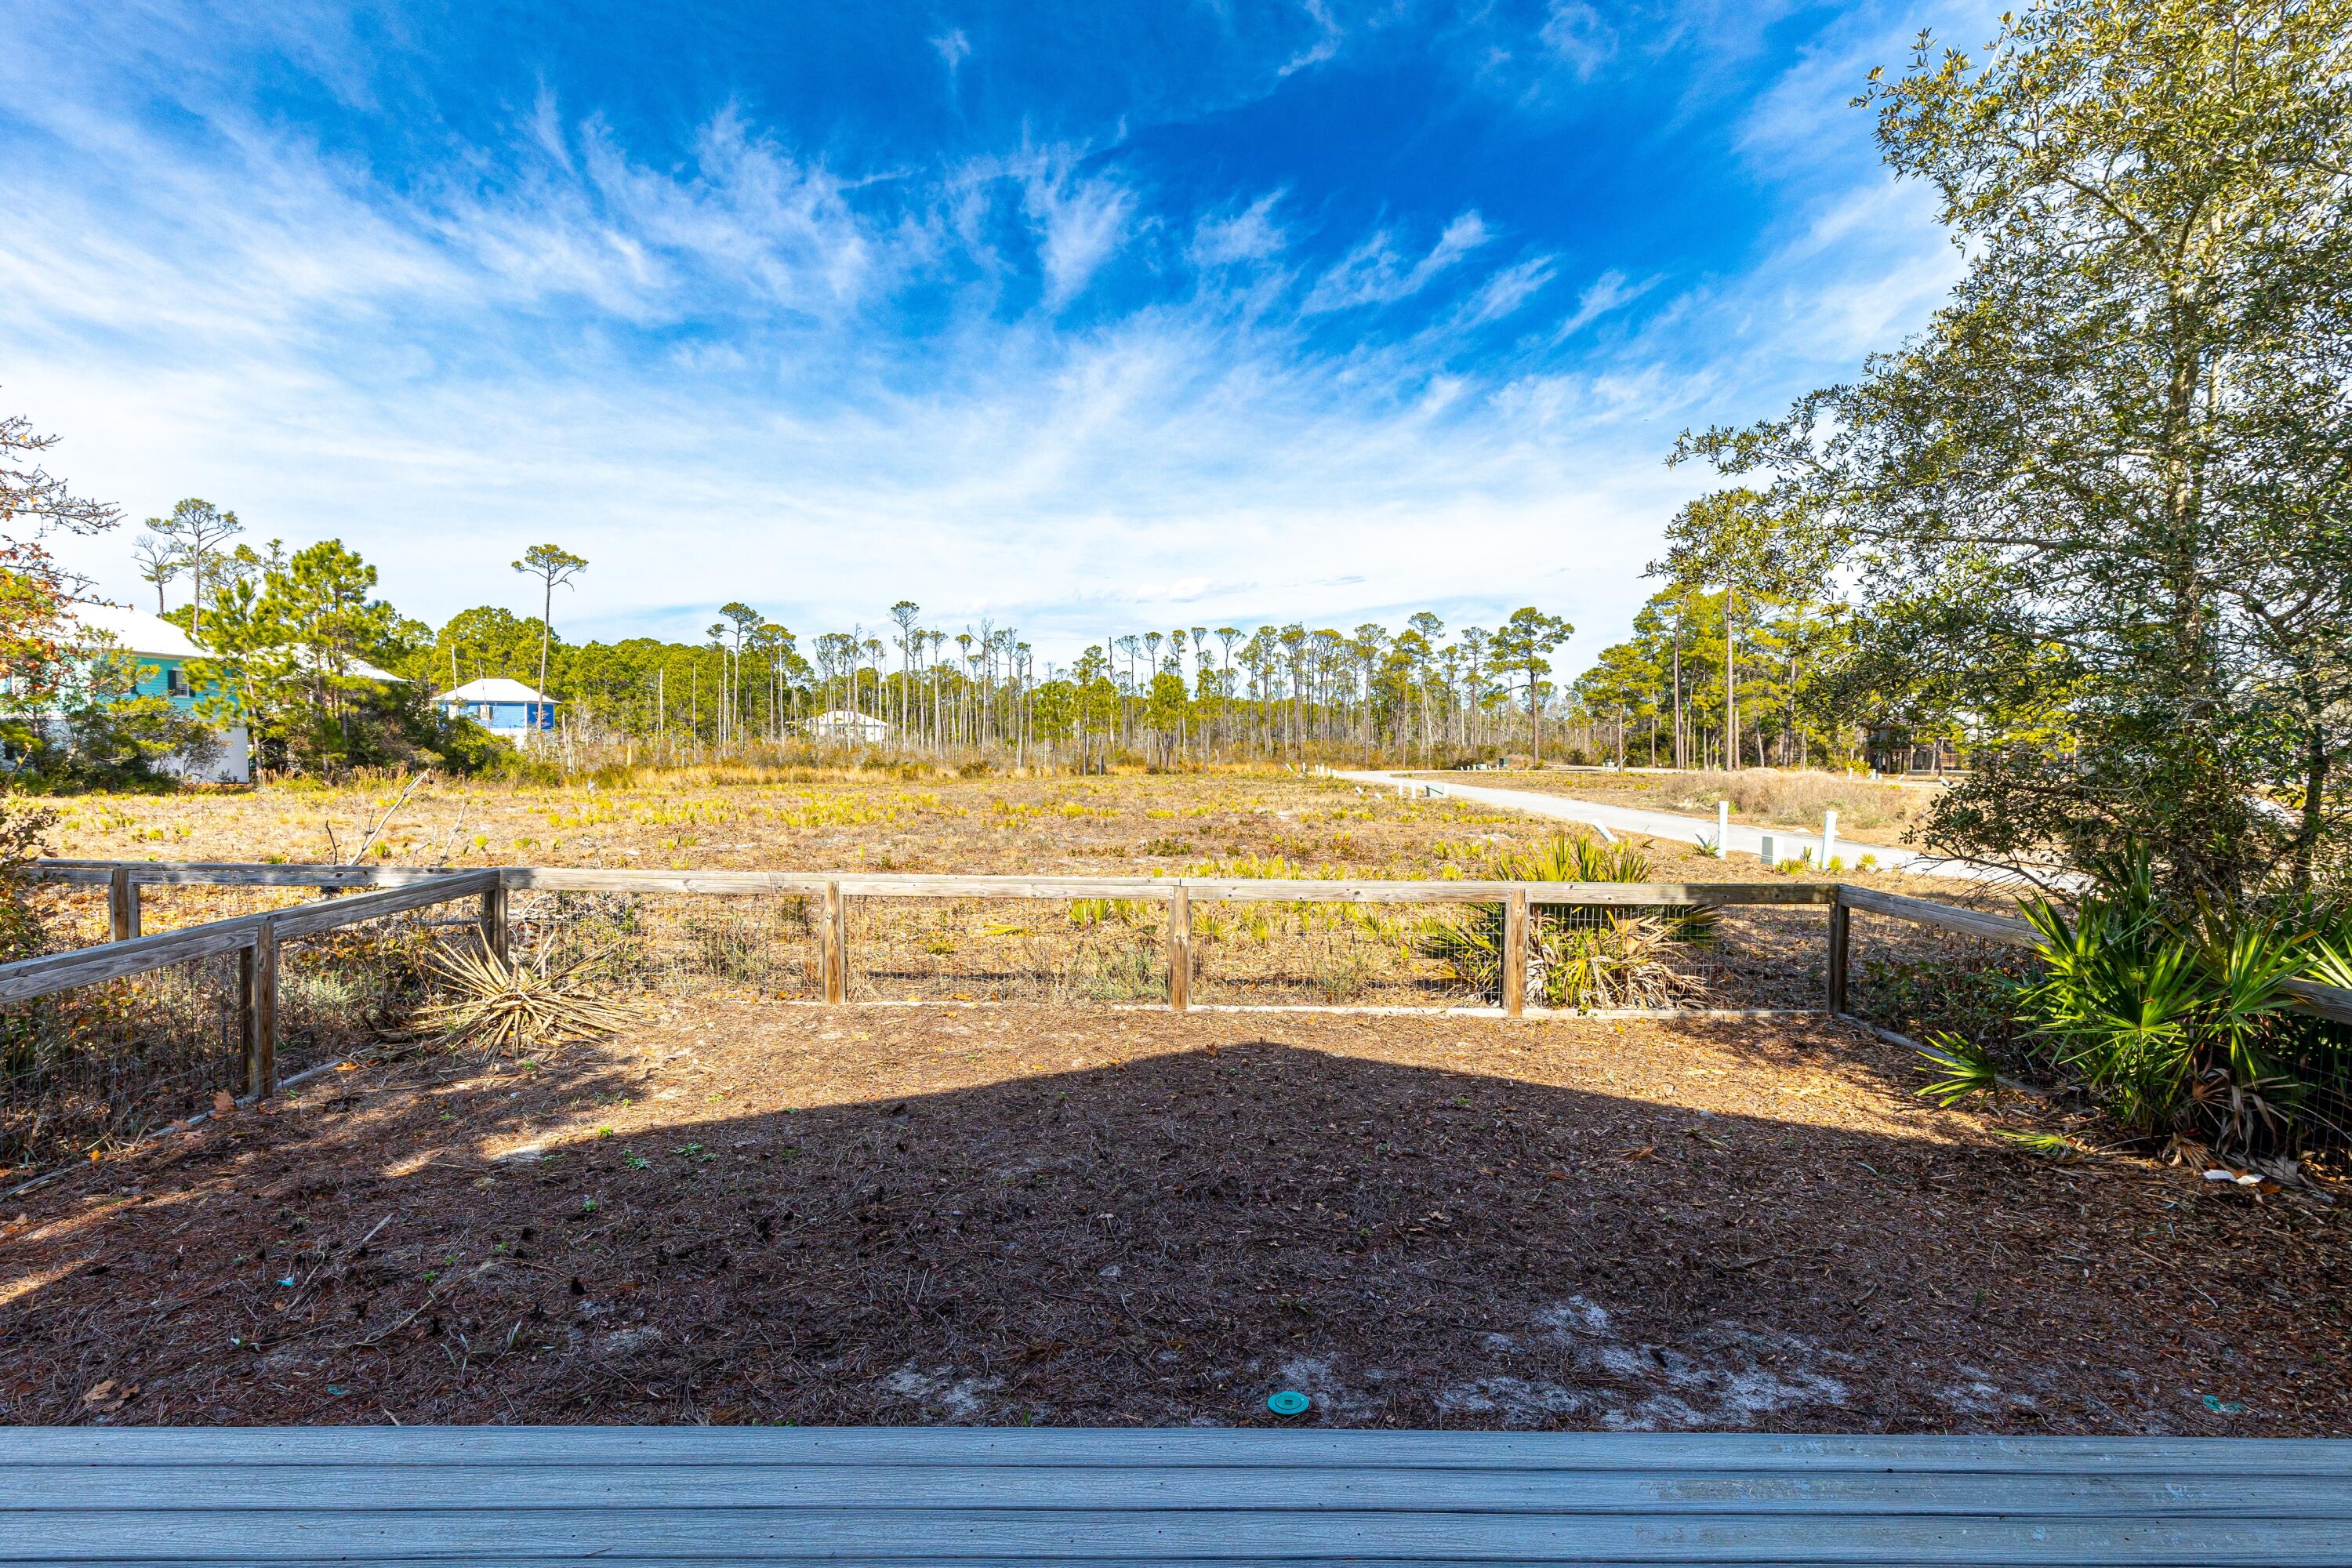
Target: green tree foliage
(1524, 645)
(2115, 468)
(190, 543)
(1166, 707)
(554, 567)
(1661, 697)
(294, 640)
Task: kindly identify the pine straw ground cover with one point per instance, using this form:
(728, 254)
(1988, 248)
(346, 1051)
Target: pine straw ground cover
(754, 1213)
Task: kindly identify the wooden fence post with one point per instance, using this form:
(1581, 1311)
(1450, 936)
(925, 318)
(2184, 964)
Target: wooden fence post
(836, 945)
(1514, 955)
(1179, 949)
(494, 919)
(1841, 942)
(258, 987)
(121, 903)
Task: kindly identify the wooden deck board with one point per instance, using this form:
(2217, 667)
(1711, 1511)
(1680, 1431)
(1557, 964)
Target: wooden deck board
(975, 1495)
(1382, 1488)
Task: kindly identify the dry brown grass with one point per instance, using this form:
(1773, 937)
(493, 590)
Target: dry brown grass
(800, 820)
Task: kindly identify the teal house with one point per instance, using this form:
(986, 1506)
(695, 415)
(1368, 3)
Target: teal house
(163, 652)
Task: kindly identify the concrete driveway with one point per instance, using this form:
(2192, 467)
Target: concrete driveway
(1741, 838)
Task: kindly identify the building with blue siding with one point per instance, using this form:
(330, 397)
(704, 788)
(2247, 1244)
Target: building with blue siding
(506, 709)
(163, 652)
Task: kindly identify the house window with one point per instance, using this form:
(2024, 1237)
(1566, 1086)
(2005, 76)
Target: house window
(175, 681)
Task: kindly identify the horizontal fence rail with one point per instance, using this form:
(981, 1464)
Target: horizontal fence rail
(255, 938)
(395, 888)
(917, 884)
(30, 977)
(2330, 1002)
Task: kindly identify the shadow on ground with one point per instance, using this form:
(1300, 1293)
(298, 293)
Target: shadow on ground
(1031, 1214)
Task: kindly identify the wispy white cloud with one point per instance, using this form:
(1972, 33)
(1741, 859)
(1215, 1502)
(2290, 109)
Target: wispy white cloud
(736, 364)
(1578, 36)
(1326, 45)
(1375, 274)
(1221, 239)
(953, 47)
(1607, 292)
(1502, 294)
(1081, 223)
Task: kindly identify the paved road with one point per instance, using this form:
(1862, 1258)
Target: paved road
(1741, 838)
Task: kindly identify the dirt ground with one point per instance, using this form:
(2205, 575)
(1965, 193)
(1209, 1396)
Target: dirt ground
(749, 1212)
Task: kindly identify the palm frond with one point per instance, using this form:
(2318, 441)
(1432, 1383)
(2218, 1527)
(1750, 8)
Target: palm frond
(1962, 1068)
(507, 1004)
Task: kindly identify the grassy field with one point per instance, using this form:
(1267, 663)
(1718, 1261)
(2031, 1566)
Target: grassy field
(1764, 796)
(744, 1209)
(802, 820)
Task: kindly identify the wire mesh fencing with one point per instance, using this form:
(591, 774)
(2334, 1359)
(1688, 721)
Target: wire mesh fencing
(362, 984)
(78, 914)
(69, 914)
(1307, 953)
(1007, 950)
(173, 906)
(1919, 980)
(1723, 956)
(750, 945)
(98, 1066)
(107, 1058)
(1580, 957)
(91, 1055)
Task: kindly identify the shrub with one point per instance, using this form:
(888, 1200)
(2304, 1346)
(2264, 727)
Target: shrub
(1576, 959)
(2185, 1023)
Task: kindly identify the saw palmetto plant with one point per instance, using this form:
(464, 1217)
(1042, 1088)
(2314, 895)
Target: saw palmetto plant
(1605, 958)
(503, 1004)
(2181, 1020)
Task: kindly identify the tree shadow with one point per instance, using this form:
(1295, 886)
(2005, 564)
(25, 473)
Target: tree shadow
(1212, 1208)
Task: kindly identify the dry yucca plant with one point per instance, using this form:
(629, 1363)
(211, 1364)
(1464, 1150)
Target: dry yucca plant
(505, 1004)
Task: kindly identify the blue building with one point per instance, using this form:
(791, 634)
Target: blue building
(164, 653)
(506, 709)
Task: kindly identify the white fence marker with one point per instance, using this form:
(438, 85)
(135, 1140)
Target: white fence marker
(1722, 829)
(1764, 852)
(1829, 836)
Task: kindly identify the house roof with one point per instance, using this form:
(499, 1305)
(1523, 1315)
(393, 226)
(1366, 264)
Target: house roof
(137, 631)
(837, 716)
(493, 688)
(133, 631)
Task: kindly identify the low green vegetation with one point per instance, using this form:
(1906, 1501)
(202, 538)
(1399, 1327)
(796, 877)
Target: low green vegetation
(2178, 1024)
(1578, 956)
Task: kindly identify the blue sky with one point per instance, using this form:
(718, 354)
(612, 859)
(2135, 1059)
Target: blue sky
(1075, 317)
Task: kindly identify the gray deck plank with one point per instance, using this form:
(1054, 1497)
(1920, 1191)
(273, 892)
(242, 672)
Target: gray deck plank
(531, 1489)
(1158, 1445)
(976, 1496)
(947, 1535)
(509, 1558)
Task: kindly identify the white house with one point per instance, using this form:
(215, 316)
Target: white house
(163, 652)
(506, 709)
(844, 726)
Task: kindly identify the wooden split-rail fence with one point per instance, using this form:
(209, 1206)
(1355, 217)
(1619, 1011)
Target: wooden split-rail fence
(377, 891)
